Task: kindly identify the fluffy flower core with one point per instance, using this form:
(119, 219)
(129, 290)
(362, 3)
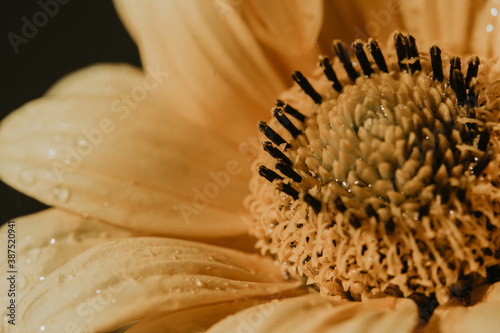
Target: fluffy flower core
(383, 180)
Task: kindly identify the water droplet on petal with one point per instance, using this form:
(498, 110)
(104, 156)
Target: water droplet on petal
(82, 142)
(52, 153)
(105, 204)
(60, 193)
(65, 278)
(27, 176)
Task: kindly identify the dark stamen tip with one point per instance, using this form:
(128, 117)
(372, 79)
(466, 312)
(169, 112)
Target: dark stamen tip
(339, 49)
(288, 189)
(272, 135)
(481, 165)
(324, 62)
(307, 87)
(313, 202)
(400, 45)
(437, 63)
(472, 71)
(275, 152)
(377, 55)
(455, 65)
(412, 53)
(288, 171)
(483, 140)
(358, 49)
(268, 174)
(285, 122)
(458, 85)
(290, 110)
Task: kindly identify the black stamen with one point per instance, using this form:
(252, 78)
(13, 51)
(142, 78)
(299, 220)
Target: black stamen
(481, 165)
(307, 87)
(275, 152)
(458, 84)
(357, 47)
(288, 189)
(324, 62)
(339, 204)
(287, 170)
(354, 221)
(483, 140)
(471, 71)
(412, 53)
(377, 55)
(344, 58)
(472, 97)
(399, 43)
(437, 63)
(272, 135)
(285, 122)
(313, 202)
(455, 64)
(268, 174)
(290, 110)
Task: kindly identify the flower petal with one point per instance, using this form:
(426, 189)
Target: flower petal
(46, 240)
(194, 320)
(359, 19)
(220, 71)
(128, 161)
(314, 313)
(116, 283)
(485, 35)
(436, 22)
(481, 317)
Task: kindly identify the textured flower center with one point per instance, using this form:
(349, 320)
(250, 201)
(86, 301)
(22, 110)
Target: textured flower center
(384, 181)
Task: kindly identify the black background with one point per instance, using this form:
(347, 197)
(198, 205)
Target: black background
(81, 33)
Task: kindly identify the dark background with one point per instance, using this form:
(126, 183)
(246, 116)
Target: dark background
(81, 33)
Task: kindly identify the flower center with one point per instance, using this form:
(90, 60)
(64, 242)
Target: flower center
(384, 181)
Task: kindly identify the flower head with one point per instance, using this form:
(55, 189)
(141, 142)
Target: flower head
(385, 182)
(148, 170)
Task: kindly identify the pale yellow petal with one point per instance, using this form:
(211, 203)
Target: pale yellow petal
(482, 316)
(124, 159)
(44, 241)
(99, 80)
(123, 281)
(316, 314)
(221, 72)
(485, 37)
(194, 320)
(289, 29)
(359, 19)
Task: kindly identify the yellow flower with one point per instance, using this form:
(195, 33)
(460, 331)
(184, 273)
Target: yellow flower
(146, 168)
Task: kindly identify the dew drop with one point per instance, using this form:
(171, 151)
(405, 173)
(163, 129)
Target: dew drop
(196, 282)
(65, 278)
(60, 193)
(52, 153)
(105, 204)
(27, 176)
(52, 241)
(82, 142)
